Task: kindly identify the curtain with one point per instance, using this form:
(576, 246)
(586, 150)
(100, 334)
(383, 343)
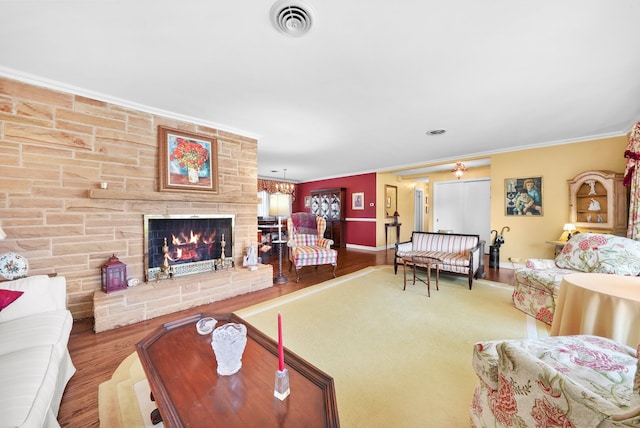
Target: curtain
(269, 186)
(632, 180)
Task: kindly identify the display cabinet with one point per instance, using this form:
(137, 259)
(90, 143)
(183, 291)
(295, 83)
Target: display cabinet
(330, 204)
(598, 201)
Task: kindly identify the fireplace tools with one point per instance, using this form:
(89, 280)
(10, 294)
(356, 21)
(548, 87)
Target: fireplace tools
(166, 270)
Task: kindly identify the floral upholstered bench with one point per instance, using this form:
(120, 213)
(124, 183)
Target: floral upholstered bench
(560, 381)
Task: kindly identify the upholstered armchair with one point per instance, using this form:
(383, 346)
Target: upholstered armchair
(307, 244)
(560, 381)
(537, 285)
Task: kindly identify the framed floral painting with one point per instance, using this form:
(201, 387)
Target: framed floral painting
(187, 161)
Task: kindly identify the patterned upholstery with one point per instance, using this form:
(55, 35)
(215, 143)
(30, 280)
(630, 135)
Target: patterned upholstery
(458, 253)
(307, 244)
(561, 381)
(538, 283)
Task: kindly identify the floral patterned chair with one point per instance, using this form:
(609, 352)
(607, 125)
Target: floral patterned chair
(307, 244)
(561, 381)
(538, 283)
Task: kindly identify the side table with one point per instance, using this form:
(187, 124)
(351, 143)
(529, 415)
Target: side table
(422, 261)
(386, 233)
(559, 246)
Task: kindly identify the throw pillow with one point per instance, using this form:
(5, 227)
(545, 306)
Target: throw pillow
(39, 296)
(304, 240)
(600, 253)
(7, 297)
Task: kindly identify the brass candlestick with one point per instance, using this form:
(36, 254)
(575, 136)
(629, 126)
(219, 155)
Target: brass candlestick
(166, 270)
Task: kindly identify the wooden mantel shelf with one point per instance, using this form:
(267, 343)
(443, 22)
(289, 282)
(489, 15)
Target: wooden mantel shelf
(128, 195)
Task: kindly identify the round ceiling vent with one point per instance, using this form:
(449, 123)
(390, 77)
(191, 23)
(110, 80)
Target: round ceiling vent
(292, 17)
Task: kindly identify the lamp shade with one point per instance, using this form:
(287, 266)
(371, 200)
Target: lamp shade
(279, 204)
(569, 227)
(2, 234)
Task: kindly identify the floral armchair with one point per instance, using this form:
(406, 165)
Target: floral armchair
(537, 284)
(307, 244)
(561, 381)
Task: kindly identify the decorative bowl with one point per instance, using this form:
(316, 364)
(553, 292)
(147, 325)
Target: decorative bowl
(206, 325)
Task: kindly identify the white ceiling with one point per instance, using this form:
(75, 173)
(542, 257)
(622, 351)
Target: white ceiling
(358, 92)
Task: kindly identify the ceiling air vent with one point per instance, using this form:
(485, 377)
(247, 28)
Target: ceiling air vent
(292, 17)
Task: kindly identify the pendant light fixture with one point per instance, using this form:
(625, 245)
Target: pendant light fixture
(459, 169)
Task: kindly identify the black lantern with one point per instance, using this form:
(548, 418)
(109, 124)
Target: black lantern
(114, 275)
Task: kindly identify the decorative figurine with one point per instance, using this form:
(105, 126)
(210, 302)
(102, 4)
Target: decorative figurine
(251, 259)
(592, 184)
(594, 205)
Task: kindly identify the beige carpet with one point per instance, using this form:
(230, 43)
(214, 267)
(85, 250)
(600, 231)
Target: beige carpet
(398, 358)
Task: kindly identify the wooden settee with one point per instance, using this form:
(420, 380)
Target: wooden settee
(458, 253)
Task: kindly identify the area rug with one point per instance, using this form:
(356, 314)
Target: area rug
(398, 358)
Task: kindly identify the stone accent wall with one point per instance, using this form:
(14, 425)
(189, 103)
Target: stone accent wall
(56, 148)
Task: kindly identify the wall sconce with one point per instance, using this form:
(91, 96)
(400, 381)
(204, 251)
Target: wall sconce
(459, 169)
(569, 228)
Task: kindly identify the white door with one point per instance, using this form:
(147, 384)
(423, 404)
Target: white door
(448, 211)
(463, 206)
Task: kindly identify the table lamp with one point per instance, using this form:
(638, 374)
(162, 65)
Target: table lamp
(395, 217)
(280, 207)
(569, 228)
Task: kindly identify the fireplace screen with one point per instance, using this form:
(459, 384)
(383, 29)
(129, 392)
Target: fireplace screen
(177, 245)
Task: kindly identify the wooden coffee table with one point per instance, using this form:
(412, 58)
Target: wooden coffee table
(181, 369)
(426, 262)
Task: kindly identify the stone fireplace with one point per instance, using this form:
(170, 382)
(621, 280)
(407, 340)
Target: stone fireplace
(178, 245)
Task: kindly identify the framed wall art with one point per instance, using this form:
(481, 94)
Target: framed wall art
(523, 196)
(357, 201)
(307, 201)
(187, 161)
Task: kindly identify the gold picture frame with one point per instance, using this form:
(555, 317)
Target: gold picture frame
(188, 161)
(523, 196)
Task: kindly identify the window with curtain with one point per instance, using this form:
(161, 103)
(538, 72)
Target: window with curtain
(263, 206)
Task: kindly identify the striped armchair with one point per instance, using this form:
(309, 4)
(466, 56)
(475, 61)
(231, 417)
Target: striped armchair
(307, 244)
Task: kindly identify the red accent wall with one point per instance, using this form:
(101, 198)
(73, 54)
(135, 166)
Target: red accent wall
(356, 232)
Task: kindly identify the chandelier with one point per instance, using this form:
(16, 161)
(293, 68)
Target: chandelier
(284, 187)
(459, 169)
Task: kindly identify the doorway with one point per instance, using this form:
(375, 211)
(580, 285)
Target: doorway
(418, 206)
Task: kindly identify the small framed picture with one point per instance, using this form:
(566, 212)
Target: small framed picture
(523, 196)
(187, 161)
(357, 201)
(307, 201)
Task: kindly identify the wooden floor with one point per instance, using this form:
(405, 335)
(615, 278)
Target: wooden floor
(96, 356)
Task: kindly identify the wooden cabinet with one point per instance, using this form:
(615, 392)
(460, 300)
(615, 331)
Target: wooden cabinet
(598, 200)
(330, 204)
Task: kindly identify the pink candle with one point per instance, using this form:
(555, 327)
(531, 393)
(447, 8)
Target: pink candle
(280, 346)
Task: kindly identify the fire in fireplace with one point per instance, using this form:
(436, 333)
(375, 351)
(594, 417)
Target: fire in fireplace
(177, 245)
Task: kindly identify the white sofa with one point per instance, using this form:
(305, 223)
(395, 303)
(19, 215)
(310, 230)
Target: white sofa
(35, 364)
